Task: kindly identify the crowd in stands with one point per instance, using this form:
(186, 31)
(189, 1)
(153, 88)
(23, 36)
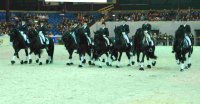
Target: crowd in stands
(79, 18)
(3, 28)
(150, 15)
(155, 15)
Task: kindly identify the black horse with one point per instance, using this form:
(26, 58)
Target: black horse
(100, 47)
(181, 48)
(141, 45)
(83, 47)
(36, 46)
(70, 45)
(120, 46)
(18, 43)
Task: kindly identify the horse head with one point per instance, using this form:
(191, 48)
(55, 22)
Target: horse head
(14, 34)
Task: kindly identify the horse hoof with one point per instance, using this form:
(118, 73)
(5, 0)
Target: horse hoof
(51, 62)
(142, 69)
(89, 62)
(68, 64)
(80, 66)
(37, 61)
(103, 60)
(132, 62)
(129, 65)
(117, 66)
(12, 62)
(100, 66)
(93, 64)
(47, 61)
(181, 70)
(149, 66)
(107, 63)
(71, 63)
(30, 61)
(40, 63)
(22, 62)
(154, 63)
(110, 65)
(25, 62)
(189, 65)
(186, 67)
(84, 61)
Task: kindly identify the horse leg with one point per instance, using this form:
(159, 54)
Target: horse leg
(119, 60)
(129, 58)
(107, 59)
(14, 56)
(142, 62)
(177, 59)
(148, 66)
(70, 58)
(89, 54)
(29, 57)
(189, 60)
(37, 57)
(26, 60)
(138, 58)
(182, 65)
(99, 62)
(40, 62)
(21, 61)
(81, 60)
(133, 60)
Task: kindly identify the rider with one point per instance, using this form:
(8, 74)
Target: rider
(86, 31)
(147, 32)
(105, 33)
(125, 31)
(188, 34)
(42, 29)
(23, 30)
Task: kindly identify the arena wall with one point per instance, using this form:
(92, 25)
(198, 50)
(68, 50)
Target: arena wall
(4, 40)
(168, 27)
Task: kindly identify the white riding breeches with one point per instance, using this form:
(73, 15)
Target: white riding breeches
(148, 38)
(24, 36)
(188, 40)
(126, 37)
(42, 38)
(89, 40)
(73, 35)
(107, 40)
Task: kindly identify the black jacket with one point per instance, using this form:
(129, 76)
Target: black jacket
(125, 28)
(43, 29)
(104, 31)
(86, 30)
(23, 28)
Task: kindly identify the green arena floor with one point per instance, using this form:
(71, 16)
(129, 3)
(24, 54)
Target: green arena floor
(61, 84)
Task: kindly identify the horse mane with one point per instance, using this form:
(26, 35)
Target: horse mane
(118, 32)
(180, 34)
(139, 34)
(15, 34)
(187, 29)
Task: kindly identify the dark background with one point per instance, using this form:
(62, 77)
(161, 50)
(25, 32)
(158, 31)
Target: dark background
(120, 5)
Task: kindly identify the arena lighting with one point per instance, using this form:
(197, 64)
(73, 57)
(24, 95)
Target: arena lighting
(94, 1)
